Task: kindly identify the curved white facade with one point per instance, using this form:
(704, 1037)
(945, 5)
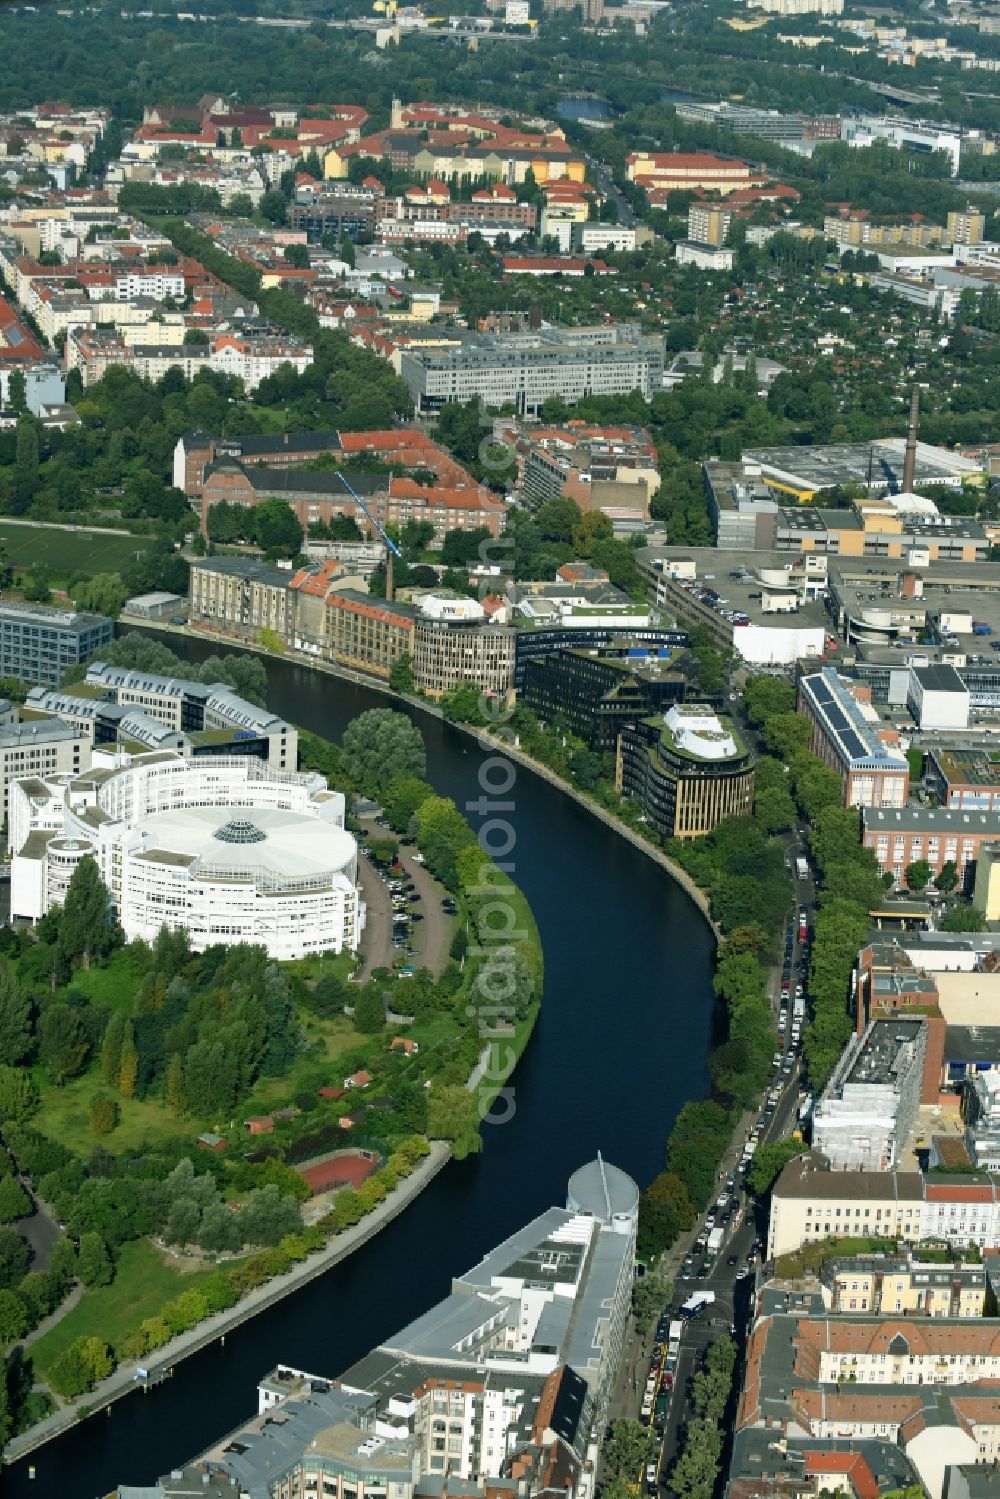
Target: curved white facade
(228, 849)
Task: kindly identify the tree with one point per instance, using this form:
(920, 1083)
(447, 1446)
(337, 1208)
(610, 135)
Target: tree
(17, 391)
(18, 1095)
(62, 1041)
(85, 928)
(765, 697)
(14, 1257)
(111, 1048)
(768, 1163)
(103, 1114)
(451, 1115)
(401, 798)
(401, 673)
(272, 206)
(15, 1018)
(369, 1010)
(276, 528)
(13, 1321)
(774, 810)
(173, 1086)
(104, 594)
(964, 919)
(785, 733)
(629, 1446)
(651, 1295)
(380, 745)
(414, 537)
(94, 1263)
(14, 1200)
(917, 873)
(947, 879)
(128, 1070)
(79, 1367)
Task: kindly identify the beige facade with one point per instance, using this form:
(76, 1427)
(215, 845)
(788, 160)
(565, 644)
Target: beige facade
(243, 598)
(447, 654)
(925, 1290)
(42, 747)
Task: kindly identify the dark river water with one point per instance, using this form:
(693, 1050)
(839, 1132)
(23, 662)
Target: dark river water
(621, 1043)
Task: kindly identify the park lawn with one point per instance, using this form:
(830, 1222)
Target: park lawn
(143, 1284)
(114, 984)
(64, 1115)
(66, 551)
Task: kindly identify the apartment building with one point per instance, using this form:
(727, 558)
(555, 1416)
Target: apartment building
(239, 596)
(918, 1387)
(941, 835)
(884, 1285)
(525, 369)
(864, 1115)
(688, 770)
(845, 733)
(963, 777)
(38, 644)
(810, 1203)
(708, 224)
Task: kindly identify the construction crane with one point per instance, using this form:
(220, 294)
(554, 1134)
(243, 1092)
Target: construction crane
(391, 549)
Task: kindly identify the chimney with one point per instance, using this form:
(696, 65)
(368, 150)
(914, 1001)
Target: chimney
(910, 460)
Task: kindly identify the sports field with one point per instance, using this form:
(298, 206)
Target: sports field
(67, 551)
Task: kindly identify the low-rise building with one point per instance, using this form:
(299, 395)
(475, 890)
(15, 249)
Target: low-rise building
(885, 1285)
(688, 770)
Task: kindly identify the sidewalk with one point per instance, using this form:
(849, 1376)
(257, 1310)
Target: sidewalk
(123, 1380)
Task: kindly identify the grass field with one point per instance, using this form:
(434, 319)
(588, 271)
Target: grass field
(143, 1283)
(68, 551)
(65, 1116)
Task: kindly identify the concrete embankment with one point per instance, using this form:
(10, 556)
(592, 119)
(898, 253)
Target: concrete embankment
(482, 736)
(124, 1381)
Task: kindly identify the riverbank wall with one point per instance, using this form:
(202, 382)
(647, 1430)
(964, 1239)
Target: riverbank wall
(494, 742)
(124, 1380)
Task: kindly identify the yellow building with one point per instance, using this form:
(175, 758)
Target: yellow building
(986, 895)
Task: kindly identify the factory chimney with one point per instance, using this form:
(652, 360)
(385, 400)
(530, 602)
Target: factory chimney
(910, 458)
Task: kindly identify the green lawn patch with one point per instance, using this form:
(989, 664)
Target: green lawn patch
(66, 551)
(65, 1116)
(143, 1284)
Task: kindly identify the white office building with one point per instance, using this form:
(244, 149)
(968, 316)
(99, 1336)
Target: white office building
(228, 849)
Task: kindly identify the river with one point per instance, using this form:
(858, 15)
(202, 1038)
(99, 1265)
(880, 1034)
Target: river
(621, 1043)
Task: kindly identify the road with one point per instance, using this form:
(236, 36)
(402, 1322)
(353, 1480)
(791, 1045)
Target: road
(604, 181)
(731, 1277)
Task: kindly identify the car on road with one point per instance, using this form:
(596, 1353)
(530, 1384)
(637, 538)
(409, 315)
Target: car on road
(688, 1263)
(733, 1259)
(651, 1484)
(776, 1059)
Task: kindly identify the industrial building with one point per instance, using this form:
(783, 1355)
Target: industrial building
(228, 850)
(878, 466)
(688, 769)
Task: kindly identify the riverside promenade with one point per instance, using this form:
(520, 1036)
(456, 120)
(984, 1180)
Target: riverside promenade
(161, 1363)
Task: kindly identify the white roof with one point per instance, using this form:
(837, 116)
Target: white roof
(286, 845)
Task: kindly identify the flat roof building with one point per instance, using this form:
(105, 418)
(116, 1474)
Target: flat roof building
(866, 1111)
(38, 644)
(803, 472)
(688, 770)
(847, 736)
